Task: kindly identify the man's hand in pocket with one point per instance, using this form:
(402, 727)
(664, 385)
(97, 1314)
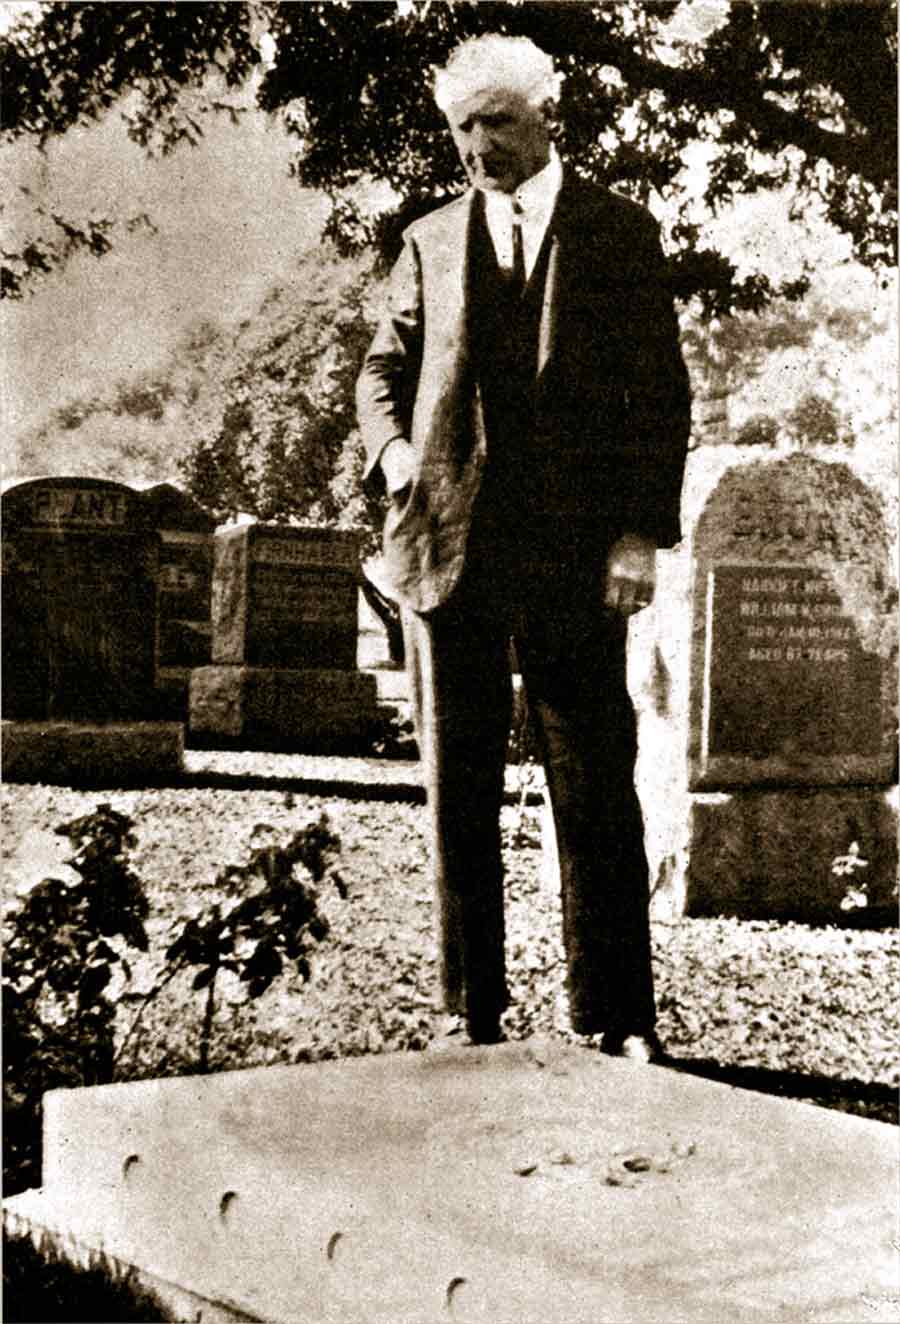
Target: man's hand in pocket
(397, 465)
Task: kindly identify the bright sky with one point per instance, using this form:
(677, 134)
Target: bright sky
(229, 221)
(10, 11)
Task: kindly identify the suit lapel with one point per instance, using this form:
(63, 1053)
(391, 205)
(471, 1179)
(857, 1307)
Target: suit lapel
(562, 237)
(454, 290)
(449, 291)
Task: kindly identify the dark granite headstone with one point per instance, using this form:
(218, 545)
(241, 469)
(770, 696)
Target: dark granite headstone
(183, 585)
(184, 593)
(788, 676)
(285, 597)
(284, 646)
(79, 565)
(793, 644)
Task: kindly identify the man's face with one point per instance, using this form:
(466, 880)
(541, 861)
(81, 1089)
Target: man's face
(501, 139)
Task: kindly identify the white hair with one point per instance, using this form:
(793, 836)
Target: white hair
(497, 63)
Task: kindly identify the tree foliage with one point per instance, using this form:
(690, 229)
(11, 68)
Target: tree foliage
(787, 94)
(285, 444)
(65, 943)
(819, 372)
(690, 114)
(782, 94)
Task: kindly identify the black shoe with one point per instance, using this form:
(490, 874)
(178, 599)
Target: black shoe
(456, 1032)
(634, 1047)
(485, 1030)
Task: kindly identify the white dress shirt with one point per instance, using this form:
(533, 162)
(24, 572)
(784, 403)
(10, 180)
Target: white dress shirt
(532, 202)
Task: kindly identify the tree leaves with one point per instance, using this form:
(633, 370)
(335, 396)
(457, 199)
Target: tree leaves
(77, 60)
(769, 90)
(805, 96)
(281, 441)
(59, 963)
(274, 915)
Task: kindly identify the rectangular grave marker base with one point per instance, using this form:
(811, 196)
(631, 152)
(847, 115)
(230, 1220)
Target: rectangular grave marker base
(771, 854)
(92, 753)
(277, 707)
(517, 1184)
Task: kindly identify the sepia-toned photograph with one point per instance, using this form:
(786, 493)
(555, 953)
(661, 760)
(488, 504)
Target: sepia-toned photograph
(449, 526)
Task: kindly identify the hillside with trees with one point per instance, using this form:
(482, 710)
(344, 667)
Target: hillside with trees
(255, 417)
(803, 96)
(704, 111)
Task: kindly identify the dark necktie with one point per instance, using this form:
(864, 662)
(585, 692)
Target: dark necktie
(518, 268)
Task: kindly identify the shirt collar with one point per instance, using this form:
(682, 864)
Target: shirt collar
(535, 195)
(539, 192)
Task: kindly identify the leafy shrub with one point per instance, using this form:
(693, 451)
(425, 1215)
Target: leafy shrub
(68, 937)
(816, 421)
(58, 1021)
(760, 430)
(271, 916)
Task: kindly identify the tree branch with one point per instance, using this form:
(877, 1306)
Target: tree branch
(564, 28)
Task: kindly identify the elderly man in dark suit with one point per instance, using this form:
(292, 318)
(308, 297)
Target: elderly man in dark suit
(525, 406)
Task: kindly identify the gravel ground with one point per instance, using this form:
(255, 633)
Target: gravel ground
(783, 1007)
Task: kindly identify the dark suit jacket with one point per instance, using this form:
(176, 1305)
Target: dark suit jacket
(613, 400)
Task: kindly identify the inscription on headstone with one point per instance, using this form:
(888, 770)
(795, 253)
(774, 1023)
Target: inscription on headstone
(78, 601)
(184, 591)
(784, 672)
(183, 585)
(79, 507)
(793, 646)
(285, 597)
(284, 615)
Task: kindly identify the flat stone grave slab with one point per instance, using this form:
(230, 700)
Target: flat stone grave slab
(519, 1183)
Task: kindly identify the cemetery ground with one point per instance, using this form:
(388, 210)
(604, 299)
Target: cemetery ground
(786, 1008)
(783, 1008)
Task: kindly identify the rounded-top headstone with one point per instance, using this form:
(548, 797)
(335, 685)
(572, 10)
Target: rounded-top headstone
(794, 648)
(73, 504)
(79, 564)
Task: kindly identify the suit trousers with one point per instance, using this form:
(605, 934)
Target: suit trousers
(571, 652)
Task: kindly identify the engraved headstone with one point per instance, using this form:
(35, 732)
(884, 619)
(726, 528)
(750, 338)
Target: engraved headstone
(285, 597)
(793, 646)
(284, 642)
(79, 565)
(183, 585)
(792, 706)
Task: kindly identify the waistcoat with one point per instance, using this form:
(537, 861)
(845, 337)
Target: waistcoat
(510, 524)
(504, 334)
